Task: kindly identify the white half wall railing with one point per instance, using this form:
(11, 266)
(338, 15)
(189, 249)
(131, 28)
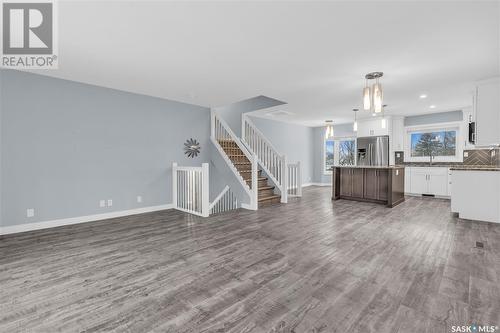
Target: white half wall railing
(294, 180)
(191, 188)
(272, 162)
(221, 133)
(224, 202)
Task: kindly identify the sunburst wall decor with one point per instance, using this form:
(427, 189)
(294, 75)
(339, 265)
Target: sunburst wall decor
(192, 148)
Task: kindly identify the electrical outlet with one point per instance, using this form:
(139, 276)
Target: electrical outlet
(110, 202)
(30, 212)
(493, 153)
(466, 154)
(139, 199)
(398, 155)
(102, 203)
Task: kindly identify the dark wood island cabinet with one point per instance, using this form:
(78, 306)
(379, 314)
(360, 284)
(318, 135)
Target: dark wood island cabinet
(366, 183)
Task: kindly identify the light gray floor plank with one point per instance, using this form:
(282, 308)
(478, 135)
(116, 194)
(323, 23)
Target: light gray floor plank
(311, 265)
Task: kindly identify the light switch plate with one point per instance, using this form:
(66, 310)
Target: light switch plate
(30, 212)
(110, 202)
(139, 199)
(102, 203)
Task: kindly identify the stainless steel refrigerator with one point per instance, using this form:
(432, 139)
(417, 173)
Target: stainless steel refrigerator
(373, 150)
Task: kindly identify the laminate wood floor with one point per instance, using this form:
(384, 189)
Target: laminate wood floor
(312, 265)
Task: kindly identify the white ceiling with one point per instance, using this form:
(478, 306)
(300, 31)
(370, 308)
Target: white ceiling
(312, 55)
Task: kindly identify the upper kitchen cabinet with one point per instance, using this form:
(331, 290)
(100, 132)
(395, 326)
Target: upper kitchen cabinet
(487, 112)
(398, 130)
(374, 126)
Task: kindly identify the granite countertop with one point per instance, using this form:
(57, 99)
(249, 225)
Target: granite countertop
(370, 166)
(456, 166)
(452, 167)
(475, 168)
(427, 165)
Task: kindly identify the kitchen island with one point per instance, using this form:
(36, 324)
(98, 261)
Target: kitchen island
(379, 184)
(475, 194)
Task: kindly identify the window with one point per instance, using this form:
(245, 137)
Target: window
(442, 143)
(329, 154)
(347, 152)
(339, 151)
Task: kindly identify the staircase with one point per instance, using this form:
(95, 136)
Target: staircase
(264, 175)
(266, 195)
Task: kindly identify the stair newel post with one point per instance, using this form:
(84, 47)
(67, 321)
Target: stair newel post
(174, 184)
(255, 183)
(205, 190)
(284, 181)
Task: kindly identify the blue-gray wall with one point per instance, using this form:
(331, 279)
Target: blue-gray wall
(433, 118)
(232, 113)
(67, 145)
(341, 130)
(318, 173)
(295, 141)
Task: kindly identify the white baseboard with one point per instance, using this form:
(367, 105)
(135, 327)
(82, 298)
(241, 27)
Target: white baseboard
(316, 184)
(12, 229)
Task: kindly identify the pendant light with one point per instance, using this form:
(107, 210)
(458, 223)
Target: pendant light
(367, 99)
(329, 129)
(355, 125)
(384, 121)
(373, 96)
(377, 97)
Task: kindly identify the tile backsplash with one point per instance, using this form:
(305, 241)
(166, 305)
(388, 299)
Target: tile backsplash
(481, 157)
(399, 157)
(488, 156)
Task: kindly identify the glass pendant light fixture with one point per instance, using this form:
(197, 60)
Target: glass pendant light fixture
(329, 129)
(373, 97)
(384, 121)
(367, 98)
(377, 97)
(355, 125)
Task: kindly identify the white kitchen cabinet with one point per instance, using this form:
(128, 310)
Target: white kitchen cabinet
(449, 182)
(408, 179)
(373, 127)
(428, 180)
(419, 181)
(476, 195)
(438, 183)
(398, 129)
(487, 112)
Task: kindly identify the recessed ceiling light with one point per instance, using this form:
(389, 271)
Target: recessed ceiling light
(432, 106)
(423, 96)
(374, 114)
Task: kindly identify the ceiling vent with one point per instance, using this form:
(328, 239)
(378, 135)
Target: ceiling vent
(279, 113)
